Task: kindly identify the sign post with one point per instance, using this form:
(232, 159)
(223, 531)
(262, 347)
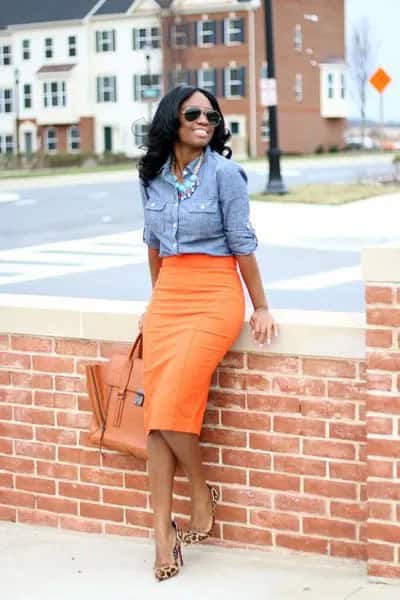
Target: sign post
(380, 80)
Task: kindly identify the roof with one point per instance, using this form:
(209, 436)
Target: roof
(113, 7)
(56, 68)
(21, 12)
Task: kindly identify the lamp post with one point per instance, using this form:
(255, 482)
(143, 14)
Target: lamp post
(16, 102)
(275, 183)
(149, 86)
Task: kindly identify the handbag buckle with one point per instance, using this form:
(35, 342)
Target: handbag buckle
(139, 398)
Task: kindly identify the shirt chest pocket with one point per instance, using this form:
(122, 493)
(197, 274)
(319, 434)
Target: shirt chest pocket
(204, 216)
(155, 214)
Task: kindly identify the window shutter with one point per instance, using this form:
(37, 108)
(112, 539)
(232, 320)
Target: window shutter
(241, 35)
(134, 39)
(98, 89)
(222, 31)
(135, 87)
(195, 78)
(223, 78)
(97, 41)
(215, 75)
(114, 80)
(195, 33)
(113, 40)
(171, 35)
(242, 72)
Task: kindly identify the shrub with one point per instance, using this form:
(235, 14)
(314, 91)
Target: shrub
(319, 149)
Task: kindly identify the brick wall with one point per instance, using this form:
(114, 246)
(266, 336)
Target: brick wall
(284, 438)
(383, 428)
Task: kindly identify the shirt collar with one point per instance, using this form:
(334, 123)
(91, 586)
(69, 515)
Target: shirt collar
(166, 168)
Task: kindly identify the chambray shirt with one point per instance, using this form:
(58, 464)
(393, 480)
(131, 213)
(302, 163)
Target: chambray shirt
(214, 220)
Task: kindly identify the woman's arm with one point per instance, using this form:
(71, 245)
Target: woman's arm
(251, 276)
(154, 264)
(261, 321)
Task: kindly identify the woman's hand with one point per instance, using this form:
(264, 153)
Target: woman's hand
(263, 325)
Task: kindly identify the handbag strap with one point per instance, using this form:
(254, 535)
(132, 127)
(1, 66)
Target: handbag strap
(136, 351)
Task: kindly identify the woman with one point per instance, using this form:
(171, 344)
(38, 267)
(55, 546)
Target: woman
(197, 229)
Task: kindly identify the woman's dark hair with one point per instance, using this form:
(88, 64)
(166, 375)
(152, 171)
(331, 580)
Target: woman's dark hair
(163, 132)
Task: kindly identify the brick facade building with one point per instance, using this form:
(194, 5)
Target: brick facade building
(225, 51)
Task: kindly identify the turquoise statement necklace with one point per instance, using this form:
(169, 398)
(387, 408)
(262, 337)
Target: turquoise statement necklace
(189, 184)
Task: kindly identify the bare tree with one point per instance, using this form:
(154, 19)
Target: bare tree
(363, 48)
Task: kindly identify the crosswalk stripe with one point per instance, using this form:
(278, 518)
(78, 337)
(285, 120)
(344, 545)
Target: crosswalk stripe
(72, 256)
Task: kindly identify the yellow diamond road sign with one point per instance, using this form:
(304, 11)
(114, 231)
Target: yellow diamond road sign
(380, 80)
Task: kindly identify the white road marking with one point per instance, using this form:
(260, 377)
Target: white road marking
(74, 256)
(26, 202)
(8, 197)
(98, 195)
(318, 281)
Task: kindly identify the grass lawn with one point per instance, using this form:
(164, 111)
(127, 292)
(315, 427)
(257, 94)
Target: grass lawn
(17, 173)
(329, 193)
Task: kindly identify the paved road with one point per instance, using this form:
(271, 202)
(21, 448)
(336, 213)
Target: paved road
(83, 239)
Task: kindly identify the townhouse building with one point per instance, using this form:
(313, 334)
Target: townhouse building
(86, 76)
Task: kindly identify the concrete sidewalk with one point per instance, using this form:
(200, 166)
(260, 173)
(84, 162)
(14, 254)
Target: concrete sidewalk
(41, 563)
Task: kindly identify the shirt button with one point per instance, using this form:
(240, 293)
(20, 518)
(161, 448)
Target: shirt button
(153, 204)
(174, 224)
(202, 206)
(174, 244)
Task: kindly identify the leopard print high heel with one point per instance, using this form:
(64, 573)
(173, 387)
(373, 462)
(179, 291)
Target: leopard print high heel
(192, 536)
(167, 571)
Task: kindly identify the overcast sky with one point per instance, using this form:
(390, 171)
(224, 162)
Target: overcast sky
(385, 19)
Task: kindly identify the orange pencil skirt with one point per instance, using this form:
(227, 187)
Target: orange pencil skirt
(195, 314)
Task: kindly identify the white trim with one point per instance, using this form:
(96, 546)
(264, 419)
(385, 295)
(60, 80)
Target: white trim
(302, 333)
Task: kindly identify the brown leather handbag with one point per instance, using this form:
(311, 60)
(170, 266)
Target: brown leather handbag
(115, 389)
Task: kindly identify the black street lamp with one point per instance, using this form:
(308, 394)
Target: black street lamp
(16, 104)
(275, 183)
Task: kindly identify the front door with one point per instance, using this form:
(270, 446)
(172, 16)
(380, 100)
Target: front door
(28, 143)
(108, 139)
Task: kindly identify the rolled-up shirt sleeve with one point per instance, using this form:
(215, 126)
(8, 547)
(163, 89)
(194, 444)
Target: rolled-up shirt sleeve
(234, 199)
(148, 237)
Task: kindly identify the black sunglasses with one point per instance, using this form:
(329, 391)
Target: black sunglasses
(191, 113)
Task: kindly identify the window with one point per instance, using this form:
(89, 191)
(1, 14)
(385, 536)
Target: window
(146, 87)
(180, 35)
(27, 91)
(26, 49)
(72, 47)
(141, 131)
(298, 87)
(234, 31)
(146, 38)
(5, 55)
(6, 100)
(234, 127)
(264, 130)
(207, 79)
(105, 41)
(107, 89)
(48, 47)
(298, 38)
(342, 86)
(6, 144)
(206, 33)
(51, 139)
(331, 85)
(234, 82)
(74, 138)
(54, 93)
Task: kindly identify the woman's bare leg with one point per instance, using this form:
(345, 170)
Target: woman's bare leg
(162, 465)
(185, 447)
